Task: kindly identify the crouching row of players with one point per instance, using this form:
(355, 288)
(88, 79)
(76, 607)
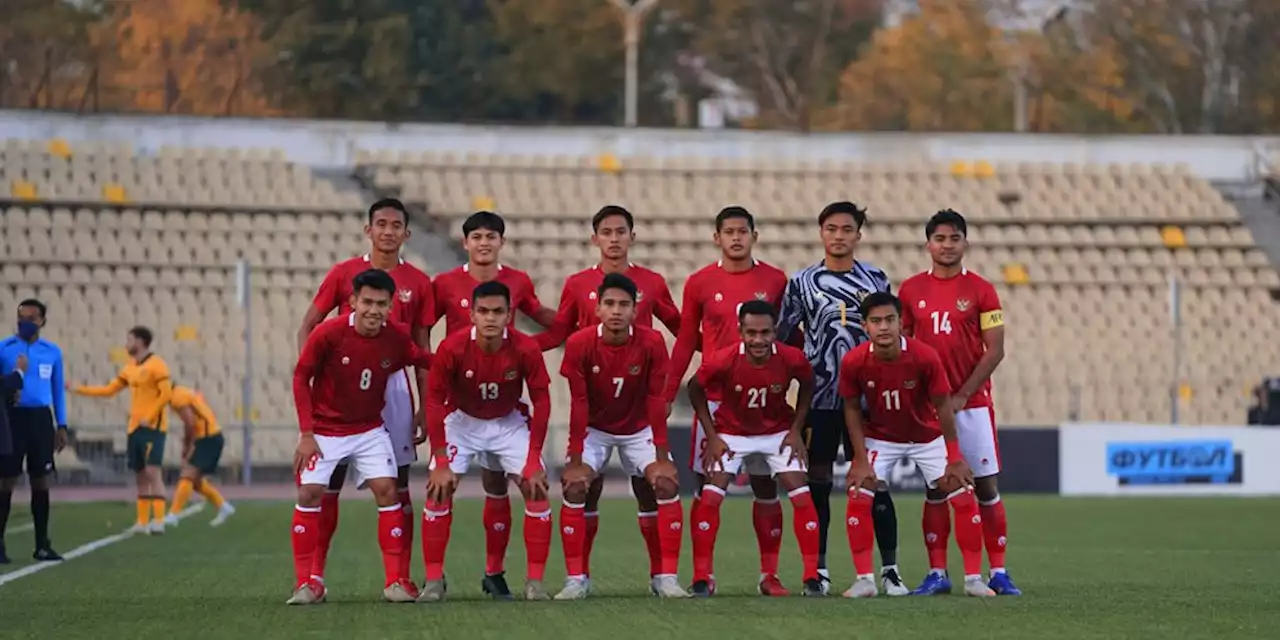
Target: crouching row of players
(616, 373)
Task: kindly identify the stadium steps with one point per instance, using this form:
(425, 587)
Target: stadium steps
(430, 239)
(1262, 216)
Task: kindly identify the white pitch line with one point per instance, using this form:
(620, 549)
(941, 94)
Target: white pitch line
(84, 549)
(27, 526)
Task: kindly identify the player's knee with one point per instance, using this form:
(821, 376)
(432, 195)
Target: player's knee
(947, 486)
(666, 487)
(764, 487)
(494, 482)
(935, 494)
(574, 492)
(309, 495)
(881, 487)
(402, 477)
(384, 491)
(821, 473)
(986, 489)
(39, 482)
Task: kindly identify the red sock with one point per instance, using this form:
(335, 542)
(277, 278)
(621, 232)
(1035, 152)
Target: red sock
(805, 517)
(936, 523)
(327, 524)
(497, 533)
(766, 517)
(437, 519)
(537, 538)
(406, 540)
(573, 537)
(968, 530)
(390, 540)
(593, 527)
(305, 530)
(706, 524)
(861, 530)
(995, 532)
(649, 530)
(670, 535)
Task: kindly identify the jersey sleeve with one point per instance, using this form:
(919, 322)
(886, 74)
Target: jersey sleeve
(908, 308)
(686, 338)
(565, 323)
(328, 296)
(412, 355)
(712, 372)
(799, 368)
(438, 387)
(990, 314)
(664, 307)
(427, 315)
(182, 398)
(535, 368)
(656, 401)
(528, 302)
(849, 384)
(314, 352)
(935, 375)
(573, 369)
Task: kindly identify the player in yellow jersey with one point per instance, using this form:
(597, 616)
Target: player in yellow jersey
(201, 450)
(147, 378)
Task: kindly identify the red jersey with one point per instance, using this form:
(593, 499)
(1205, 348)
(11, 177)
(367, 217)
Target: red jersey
(414, 304)
(578, 303)
(454, 289)
(899, 392)
(710, 309)
(616, 389)
(950, 315)
(341, 377)
(754, 397)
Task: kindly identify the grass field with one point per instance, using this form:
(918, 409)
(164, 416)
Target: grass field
(1153, 568)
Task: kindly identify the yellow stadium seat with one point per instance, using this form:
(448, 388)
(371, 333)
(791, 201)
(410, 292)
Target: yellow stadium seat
(1015, 273)
(1173, 237)
(482, 203)
(1184, 392)
(983, 169)
(254, 413)
(186, 333)
(119, 356)
(59, 147)
(960, 169)
(23, 190)
(114, 194)
(609, 163)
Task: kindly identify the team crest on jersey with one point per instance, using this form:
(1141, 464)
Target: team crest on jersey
(406, 295)
(908, 384)
(510, 375)
(591, 296)
(470, 374)
(737, 388)
(465, 303)
(775, 388)
(634, 370)
(871, 384)
(962, 305)
(719, 298)
(386, 364)
(760, 295)
(595, 369)
(639, 296)
(346, 360)
(921, 304)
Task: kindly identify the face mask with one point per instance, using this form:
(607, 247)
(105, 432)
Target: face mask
(27, 329)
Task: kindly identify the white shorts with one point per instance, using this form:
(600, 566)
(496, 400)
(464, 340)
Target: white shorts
(370, 453)
(755, 466)
(976, 430)
(397, 415)
(762, 450)
(929, 457)
(635, 451)
(499, 444)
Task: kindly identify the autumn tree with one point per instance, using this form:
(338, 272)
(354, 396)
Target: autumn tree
(45, 53)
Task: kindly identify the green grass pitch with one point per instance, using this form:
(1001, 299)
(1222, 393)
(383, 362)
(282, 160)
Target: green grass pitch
(1119, 568)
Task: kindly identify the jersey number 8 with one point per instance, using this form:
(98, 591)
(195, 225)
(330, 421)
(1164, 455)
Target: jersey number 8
(366, 379)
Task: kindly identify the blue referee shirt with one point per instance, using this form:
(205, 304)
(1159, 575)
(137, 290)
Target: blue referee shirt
(43, 386)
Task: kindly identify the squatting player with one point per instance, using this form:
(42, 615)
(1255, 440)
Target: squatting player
(617, 373)
(339, 387)
(957, 312)
(483, 235)
(824, 299)
(201, 450)
(753, 422)
(909, 417)
(413, 306)
(709, 322)
(474, 412)
(613, 232)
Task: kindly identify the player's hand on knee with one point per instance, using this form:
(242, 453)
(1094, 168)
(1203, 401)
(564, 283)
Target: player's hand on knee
(307, 452)
(576, 475)
(714, 454)
(534, 479)
(663, 476)
(441, 484)
(794, 440)
(957, 476)
(861, 474)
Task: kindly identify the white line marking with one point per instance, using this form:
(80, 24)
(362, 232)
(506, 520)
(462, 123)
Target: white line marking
(81, 550)
(22, 527)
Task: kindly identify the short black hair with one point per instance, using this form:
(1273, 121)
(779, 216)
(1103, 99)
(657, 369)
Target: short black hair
(389, 203)
(612, 210)
(757, 308)
(484, 220)
(375, 279)
(844, 206)
(32, 302)
(490, 289)
(620, 282)
(142, 333)
(880, 299)
(946, 217)
(735, 211)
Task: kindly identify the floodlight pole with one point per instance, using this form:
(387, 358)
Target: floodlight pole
(633, 12)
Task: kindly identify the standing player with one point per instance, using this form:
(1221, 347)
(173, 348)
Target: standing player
(414, 307)
(709, 322)
(753, 421)
(148, 378)
(824, 298)
(613, 232)
(617, 375)
(483, 234)
(957, 312)
(201, 450)
(339, 387)
(474, 412)
(909, 417)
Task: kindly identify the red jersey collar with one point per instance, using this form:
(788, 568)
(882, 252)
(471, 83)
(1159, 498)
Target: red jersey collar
(754, 262)
(351, 320)
(473, 333)
(964, 271)
(631, 330)
(399, 260)
(902, 338)
(466, 267)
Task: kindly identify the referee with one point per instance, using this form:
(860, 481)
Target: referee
(825, 299)
(31, 419)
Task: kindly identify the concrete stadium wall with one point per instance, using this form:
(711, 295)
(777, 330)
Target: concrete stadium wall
(333, 144)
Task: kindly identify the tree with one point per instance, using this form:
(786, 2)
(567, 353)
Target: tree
(45, 54)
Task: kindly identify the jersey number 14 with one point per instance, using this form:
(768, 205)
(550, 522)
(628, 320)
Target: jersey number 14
(941, 322)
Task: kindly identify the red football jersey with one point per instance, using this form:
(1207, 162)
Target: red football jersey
(899, 392)
(615, 388)
(485, 385)
(578, 303)
(754, 398)
(454, 289)
(950, 314)
(710, 310)
(414, 304)
(341, 377)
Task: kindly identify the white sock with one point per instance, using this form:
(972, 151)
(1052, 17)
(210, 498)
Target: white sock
(995, 570)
